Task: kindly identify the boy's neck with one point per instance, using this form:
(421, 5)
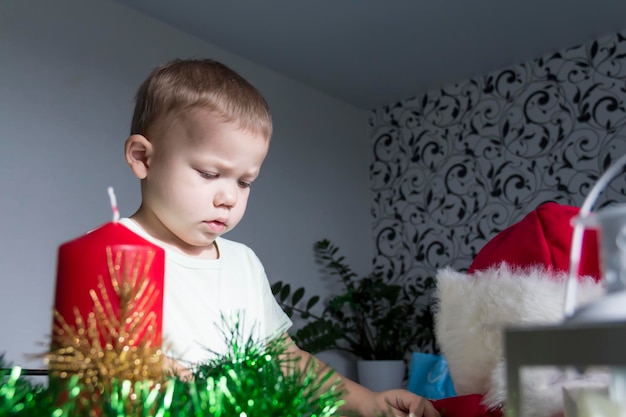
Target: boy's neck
(171, 242)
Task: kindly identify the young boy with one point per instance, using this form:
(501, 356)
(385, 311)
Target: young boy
(199, 135)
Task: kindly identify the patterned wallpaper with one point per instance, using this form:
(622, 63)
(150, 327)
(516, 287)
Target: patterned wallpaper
(455, 166)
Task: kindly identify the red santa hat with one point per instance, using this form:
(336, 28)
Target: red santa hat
(542, 238)
(517, 278)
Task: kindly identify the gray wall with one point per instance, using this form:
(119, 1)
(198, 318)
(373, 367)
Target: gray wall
(68, 73)
(455, 166)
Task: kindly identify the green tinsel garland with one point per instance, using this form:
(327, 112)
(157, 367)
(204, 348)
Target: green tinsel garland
(248, 381)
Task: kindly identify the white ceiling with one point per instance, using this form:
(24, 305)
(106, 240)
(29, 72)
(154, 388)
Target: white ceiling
(372, 53)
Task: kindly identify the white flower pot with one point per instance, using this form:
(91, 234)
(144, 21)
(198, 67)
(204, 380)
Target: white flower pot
(381, 375)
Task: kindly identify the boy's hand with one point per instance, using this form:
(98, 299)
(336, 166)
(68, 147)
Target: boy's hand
(403, 403)
(172, 367)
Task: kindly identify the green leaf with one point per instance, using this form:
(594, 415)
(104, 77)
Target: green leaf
(276, 287)
(284, 292)
(312, 301)
(297, 296)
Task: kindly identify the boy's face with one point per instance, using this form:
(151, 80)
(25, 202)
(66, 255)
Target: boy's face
(198, 172)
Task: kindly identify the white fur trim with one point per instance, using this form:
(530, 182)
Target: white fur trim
(471, 310)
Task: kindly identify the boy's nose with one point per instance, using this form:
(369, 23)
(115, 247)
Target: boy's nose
(226, 195)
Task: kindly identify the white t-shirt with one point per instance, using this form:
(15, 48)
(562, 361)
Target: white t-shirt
(199, 292)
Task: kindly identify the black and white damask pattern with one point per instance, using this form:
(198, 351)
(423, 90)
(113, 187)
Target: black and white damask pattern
(455, 166)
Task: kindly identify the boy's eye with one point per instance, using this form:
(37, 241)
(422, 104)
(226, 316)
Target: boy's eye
(210, 176)
(207, 175)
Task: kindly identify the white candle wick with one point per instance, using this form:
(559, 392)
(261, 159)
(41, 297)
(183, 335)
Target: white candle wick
(116, 212)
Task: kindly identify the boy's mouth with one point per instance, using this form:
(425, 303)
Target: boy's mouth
(217, 225)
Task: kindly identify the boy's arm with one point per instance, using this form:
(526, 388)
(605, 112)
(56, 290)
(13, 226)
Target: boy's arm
(362, 400)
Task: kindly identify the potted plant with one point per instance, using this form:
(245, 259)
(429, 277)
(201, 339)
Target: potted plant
(372, 317)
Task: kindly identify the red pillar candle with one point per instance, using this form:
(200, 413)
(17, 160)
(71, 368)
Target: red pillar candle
(91, 272)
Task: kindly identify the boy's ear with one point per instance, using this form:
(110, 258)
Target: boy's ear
(138, 151)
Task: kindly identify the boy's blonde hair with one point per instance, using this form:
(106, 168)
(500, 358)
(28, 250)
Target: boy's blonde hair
(180, 85)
